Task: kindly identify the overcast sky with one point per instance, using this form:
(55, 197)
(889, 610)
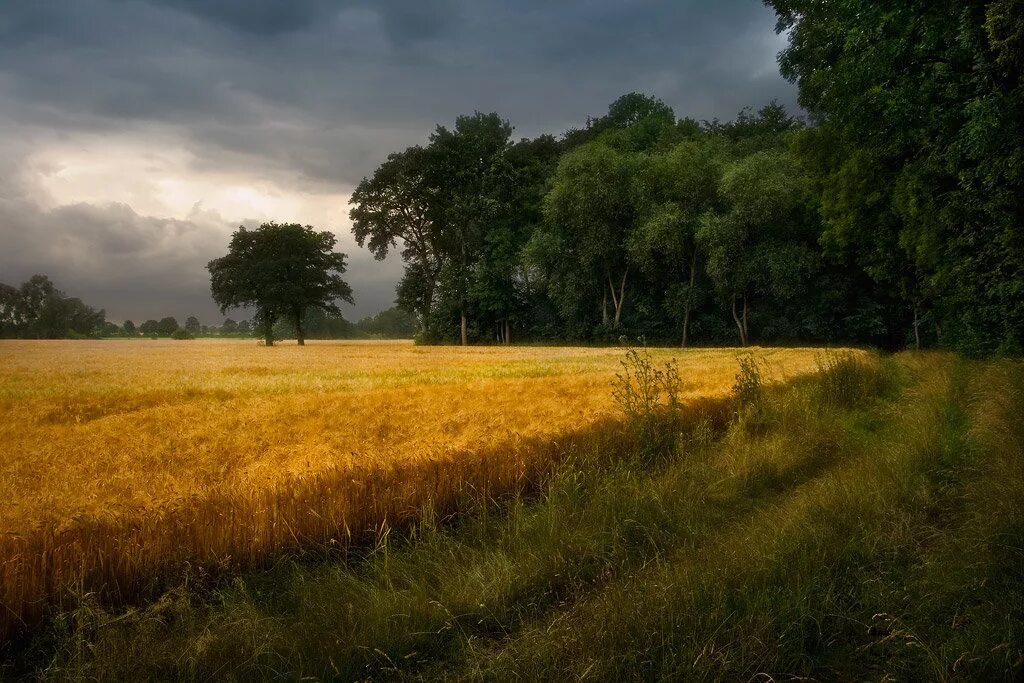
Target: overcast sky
(136, 135)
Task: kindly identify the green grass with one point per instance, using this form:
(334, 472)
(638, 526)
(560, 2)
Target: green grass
(863, 523)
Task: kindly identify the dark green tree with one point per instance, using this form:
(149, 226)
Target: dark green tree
(470, 172)
(634, 122)
(281, 270)
(396, 208)
(38, 310)
(393, 323)
(673, 192)
(499, 289)
(920, 104)
(590, 214)
(167, 326)
(755, 247)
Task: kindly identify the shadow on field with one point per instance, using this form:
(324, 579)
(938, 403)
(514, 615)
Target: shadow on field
(122, 562)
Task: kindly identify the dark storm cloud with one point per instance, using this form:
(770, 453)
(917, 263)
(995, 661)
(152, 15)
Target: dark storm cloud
(315, 93)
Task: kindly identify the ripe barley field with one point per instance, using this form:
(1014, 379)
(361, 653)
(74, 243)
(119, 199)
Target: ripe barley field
(121, 460)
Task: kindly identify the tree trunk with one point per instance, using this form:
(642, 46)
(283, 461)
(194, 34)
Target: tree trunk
(268, 332)
(428, 309)
(620, 298)
(299, 336)
(739, 324)
(508, 332)
(689, 298)
(917, 329)
(746, 331)
(604, 308)
(465, 341)
(686, 324)
(425, 324)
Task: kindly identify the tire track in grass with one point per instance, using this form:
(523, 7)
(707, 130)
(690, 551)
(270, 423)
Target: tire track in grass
(692, 601)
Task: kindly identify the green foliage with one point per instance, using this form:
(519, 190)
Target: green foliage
(181, 333)
(755, 246)
(397, 204)
(918, 152)
(590, 211)
(393, 323)
(38, 310)
(166, 326)
(443, 202)
(859, 229)
(280, 269)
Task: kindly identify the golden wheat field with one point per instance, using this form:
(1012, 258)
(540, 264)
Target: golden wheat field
(122, 457)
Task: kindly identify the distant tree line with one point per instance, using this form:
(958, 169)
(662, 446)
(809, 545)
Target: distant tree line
(892, 218)
(38, 310)
(392, 323)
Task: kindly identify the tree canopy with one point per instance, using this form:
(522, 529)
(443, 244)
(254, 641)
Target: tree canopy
(918, 152)
(38, 310)
(890, 217)
(280, 270)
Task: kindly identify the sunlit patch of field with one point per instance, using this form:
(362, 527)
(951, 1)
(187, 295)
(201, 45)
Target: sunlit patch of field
(89, 428)
(164, 438)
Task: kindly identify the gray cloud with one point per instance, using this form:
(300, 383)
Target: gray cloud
(314, 94)
(142, 267)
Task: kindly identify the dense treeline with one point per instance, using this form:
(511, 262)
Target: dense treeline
(891, 218)
(640, 224)
(38, 310)
(918, 153)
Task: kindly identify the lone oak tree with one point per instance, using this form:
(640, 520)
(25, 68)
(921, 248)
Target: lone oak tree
(280, 269)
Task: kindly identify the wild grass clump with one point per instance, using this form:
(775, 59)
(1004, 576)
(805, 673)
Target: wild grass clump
(846, 378)
(649, 396)
(748, 389)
